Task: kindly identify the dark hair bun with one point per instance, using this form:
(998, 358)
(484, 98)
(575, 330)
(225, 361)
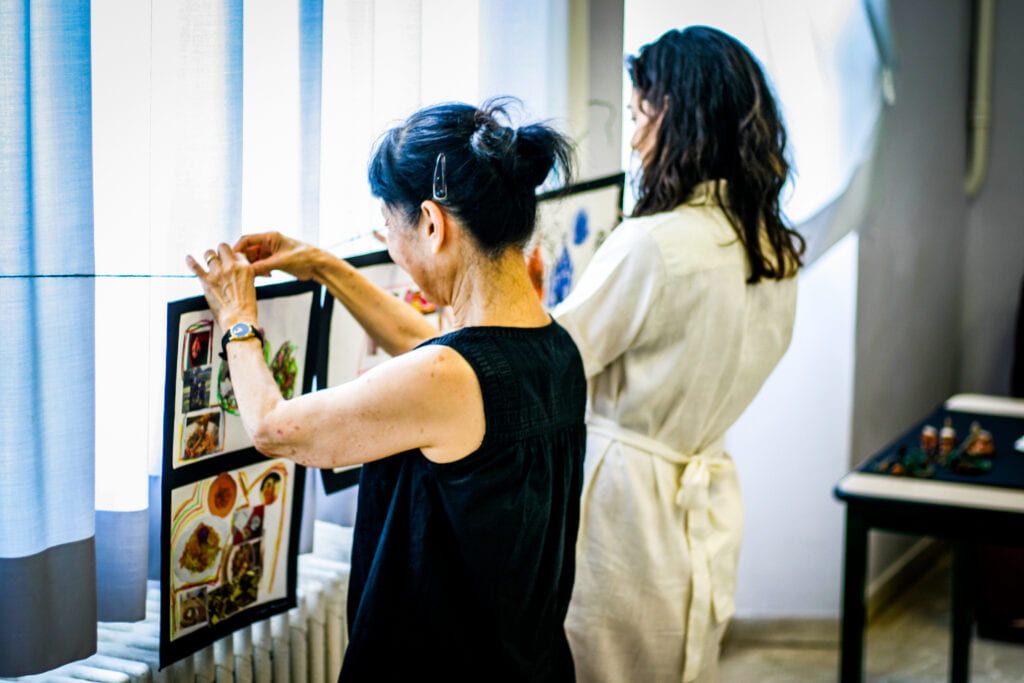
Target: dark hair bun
(491, 169)
(490, 138)
(539, 150)
(526, 154)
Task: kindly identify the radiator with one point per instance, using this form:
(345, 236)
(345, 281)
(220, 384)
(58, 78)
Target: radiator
(303, 645)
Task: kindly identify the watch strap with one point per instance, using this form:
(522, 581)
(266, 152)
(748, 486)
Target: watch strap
(251, 332)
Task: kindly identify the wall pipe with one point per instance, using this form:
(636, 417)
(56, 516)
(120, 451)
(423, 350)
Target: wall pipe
(981, 104)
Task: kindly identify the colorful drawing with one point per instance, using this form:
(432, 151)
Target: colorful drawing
(270, 488)
(285, 368)
(571, 225)
(581, 231)
(561, 279)
(415, 298)
(223, 492)
(225, 390)
(247, 524)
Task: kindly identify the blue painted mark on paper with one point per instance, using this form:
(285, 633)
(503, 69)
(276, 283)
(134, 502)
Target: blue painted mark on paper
(581, 228)
(561, 278)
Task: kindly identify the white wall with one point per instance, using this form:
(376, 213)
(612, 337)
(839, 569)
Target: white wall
(994, 241)
(792, 445)
(597, 98)
(908, 346)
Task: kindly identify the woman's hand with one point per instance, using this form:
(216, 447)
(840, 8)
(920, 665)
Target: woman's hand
(269, 251)
(228, 285)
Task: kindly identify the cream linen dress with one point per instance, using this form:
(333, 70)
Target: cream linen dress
(675, 345)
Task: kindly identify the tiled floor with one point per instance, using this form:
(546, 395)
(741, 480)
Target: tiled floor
(908, 642)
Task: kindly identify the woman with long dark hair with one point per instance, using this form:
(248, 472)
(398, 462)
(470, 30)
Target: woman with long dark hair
(680, 317)
(462, 561)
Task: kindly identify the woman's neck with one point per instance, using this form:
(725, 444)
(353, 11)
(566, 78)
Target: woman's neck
(497, 292)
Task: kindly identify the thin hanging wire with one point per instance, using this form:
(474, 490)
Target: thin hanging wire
(375, 233)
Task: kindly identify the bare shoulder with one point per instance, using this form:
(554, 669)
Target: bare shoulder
(434, 365)
(440, 388)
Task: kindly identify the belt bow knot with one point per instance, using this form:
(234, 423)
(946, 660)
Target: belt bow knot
(693, 495)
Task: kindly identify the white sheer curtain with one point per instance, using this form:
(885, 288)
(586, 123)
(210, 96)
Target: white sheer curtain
(167, 102)
(383, 59)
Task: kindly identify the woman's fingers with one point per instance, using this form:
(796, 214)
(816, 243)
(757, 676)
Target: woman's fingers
(260, 245)
(273, 251)
(265, 264)
(210, 292)
(227, 283)
(263, 251)
(194, 266)
(254, 242)
(225, 253)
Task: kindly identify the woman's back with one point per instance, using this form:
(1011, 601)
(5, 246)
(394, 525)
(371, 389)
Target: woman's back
(466, 568)
(699, 341)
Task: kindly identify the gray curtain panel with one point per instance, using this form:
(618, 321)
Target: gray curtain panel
(47, 556)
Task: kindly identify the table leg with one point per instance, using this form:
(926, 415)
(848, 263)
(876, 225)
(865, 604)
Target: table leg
(854, 569)
(962, 617)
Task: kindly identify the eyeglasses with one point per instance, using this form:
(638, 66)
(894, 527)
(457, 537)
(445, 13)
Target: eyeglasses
(440, 184)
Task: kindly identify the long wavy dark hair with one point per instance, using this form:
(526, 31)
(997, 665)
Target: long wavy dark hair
(718, 121)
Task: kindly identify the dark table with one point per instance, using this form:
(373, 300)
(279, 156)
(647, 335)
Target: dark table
(966, 509)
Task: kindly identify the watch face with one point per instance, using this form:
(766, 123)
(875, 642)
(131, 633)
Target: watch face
(239, 330)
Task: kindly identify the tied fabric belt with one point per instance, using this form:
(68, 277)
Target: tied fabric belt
(692, 494)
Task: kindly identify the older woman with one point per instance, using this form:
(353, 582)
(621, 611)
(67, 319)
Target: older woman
(473, 442)
(680, 317)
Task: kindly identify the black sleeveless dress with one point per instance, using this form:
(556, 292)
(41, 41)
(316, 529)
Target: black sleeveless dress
(463, 571)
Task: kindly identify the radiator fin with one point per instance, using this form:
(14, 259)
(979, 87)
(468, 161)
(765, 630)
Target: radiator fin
(303, 645)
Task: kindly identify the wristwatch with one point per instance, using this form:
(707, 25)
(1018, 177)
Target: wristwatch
(238, 332)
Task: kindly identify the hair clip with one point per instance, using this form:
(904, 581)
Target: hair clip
(440, 184)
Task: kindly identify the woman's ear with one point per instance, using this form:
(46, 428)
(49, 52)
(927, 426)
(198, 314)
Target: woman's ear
(434, 223)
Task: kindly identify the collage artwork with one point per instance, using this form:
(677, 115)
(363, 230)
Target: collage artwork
(230, 514)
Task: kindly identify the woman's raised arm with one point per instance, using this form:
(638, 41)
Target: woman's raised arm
(428, 399)
(393, 324)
